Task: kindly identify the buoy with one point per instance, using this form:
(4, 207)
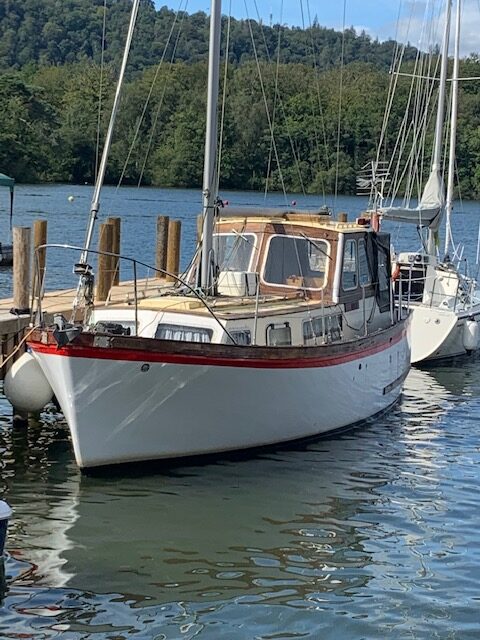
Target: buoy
(471, 335)
(26, 386)
(70, 198)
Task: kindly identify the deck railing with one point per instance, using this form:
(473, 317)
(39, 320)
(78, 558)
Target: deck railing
(36, 305)
(464, 292)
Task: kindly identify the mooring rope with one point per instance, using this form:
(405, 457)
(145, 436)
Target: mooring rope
(19, 345)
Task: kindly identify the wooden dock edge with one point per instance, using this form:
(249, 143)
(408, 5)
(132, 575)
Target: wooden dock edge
(13, 329)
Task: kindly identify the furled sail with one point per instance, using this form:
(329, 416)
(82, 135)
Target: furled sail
(429, 210)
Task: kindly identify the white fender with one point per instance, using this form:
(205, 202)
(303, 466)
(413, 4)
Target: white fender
(26, 386)
(471, 334)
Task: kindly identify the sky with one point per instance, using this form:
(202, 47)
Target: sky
(330, 14)
(383, 19)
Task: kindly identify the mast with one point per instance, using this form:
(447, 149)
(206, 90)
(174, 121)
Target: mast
(453, 132)
(82, 267)
(438, 140)
(209, 195)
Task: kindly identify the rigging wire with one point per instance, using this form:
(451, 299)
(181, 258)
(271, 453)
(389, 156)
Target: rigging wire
(100, 88)
(412, 132)
(160, 104)
(224, 95)
(270, 153)
(267, 111)
(282, 107)
(398, 53)
(147, 101)
(419, 120)
(402, 136)
(342, 59)
(319, 103)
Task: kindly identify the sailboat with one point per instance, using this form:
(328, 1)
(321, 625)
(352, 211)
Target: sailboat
(283, 329)
(445, 302)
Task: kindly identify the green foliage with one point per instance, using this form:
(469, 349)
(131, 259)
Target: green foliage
(26, 119)
(52, 81)
(58, 32)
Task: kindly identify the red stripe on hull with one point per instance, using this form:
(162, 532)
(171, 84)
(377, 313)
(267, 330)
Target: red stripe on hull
(134, 355)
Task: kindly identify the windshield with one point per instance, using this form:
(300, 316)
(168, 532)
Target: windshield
(233, 250)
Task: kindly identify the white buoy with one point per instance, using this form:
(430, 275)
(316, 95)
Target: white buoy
(471, 334)
(70, 198)
(26, 386)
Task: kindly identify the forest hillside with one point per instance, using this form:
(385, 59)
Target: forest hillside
(51, 80)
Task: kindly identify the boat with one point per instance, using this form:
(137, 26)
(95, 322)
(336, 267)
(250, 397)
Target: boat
(283, 328)
(445, 302)
(6, 249)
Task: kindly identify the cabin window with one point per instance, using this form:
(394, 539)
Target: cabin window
(296, 262)
(233, 251)
(349, 271)
(328, 326)
(183, 333)
(279, 335)
(363, 270)
(241, 336)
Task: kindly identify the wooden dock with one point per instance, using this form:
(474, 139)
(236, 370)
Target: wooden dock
(15, 319)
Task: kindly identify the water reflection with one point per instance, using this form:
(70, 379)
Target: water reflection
(382, 514)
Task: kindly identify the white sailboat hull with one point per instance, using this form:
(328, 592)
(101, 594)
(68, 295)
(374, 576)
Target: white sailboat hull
(439, 334)
(130, 408)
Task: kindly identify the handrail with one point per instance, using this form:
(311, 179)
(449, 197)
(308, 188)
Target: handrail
(435, 296)
(135, 263)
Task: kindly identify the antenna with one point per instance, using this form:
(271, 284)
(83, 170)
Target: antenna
(372, 180)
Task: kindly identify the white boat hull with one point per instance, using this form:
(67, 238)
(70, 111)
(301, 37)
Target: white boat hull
(123, 410)
(438, 334)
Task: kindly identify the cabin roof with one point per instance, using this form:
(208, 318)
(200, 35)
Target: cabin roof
(224, 307)
(301, 220)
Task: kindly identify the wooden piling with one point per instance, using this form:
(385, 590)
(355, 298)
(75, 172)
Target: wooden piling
(116, 245)
(162, 244)
(21, 269)
(343, 217)
(39, 257)
(105, 262)
(173, 253)
(8, 347)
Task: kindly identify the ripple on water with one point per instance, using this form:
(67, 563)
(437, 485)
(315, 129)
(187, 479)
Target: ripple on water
(371, 534)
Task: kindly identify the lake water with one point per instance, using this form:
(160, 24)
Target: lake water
(370, 534)
(139, 209)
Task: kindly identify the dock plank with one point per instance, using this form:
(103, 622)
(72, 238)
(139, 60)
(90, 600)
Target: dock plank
(61, 301)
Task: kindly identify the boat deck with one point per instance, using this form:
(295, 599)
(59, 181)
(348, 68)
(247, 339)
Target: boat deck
(228, 307)
(13, 328)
